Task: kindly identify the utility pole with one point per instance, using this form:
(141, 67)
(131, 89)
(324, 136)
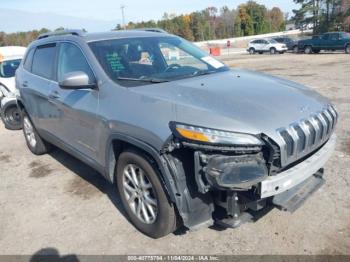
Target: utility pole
(122, 7)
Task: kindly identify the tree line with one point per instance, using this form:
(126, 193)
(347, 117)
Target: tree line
(323, 15)
(20, 38)
(250, 18)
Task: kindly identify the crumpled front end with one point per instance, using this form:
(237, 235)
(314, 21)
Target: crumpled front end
(240, 183)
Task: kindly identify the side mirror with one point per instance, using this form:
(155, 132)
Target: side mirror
(76, 80)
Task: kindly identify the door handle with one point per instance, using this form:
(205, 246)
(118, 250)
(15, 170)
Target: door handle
(54, 95)
(25, 84)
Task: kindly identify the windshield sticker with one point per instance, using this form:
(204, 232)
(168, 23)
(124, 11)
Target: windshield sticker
(114, 62)
(213, 62)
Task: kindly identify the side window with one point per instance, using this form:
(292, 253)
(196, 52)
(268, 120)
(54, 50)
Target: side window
(43, 61)
(71, 59)
(334, 36)
(264, 42)
(325, 37)
(29, 60)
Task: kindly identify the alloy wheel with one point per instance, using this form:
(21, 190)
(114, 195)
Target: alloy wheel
(29, 132)
(139, 194)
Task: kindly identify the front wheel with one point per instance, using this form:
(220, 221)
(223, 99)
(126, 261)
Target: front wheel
(34, 142)
(308, 50)
(347, 49)
(272, 51)
(11, 116)
(251, 51)
(143, 196)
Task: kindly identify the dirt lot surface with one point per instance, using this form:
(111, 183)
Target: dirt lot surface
(56, 201)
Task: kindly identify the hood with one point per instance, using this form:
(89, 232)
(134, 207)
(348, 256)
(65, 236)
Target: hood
(237, 100)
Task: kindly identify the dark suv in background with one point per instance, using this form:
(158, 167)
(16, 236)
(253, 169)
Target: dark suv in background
(185, 140)
(289, 42)
(333, 41)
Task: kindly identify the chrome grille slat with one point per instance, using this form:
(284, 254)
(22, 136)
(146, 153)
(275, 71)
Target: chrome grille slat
(330, 118)
(317, 128)
(324, 126)
(303, 137)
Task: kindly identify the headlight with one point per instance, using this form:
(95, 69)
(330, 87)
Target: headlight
(213, 136)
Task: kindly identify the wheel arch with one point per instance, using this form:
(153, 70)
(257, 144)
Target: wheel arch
(118, 143)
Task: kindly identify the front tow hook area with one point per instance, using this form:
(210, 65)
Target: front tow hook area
(293, 198)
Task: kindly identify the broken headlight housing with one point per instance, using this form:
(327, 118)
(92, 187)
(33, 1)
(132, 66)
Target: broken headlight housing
(213, 136)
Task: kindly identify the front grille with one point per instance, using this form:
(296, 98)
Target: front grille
(307, 135)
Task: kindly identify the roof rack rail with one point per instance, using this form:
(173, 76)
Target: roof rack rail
(156, 30)
(75, 32)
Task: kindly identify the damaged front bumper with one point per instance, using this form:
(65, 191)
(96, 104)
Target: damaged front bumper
(290, 178)
(237, 184)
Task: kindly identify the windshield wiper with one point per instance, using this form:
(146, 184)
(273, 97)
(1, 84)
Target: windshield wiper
(148, 80)
(202, 72)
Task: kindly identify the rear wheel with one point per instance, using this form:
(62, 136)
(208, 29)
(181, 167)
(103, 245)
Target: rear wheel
(308, 50)
(251, 51)
(143, 196)
(347, 49)
(34, 142)
(11, 116)
(272, 50)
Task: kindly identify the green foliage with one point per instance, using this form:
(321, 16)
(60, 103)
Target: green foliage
(211, 23)
(20, 38)
(324, 15)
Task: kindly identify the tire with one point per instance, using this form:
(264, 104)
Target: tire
(147, 199)
(11, 116)
(308, 50)
(295, 49)
(272, 50)
(34, 142)
(251, 51)
(347, 49)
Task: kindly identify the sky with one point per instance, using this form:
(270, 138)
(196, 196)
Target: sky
(105, 13)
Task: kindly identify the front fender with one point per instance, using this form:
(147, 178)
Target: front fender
(160, 161)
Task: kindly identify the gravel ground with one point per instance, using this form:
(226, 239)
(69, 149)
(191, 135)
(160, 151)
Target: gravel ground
(54, 201)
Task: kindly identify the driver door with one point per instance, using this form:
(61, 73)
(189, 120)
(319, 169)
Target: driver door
(77, 108)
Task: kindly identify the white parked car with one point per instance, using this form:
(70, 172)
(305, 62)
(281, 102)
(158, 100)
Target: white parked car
(10, 58)
(266, 45)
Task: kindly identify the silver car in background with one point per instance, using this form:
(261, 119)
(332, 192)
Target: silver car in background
(264, 45)
(186, 141)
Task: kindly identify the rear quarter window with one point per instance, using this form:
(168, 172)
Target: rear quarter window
(29, 60)
(43, 61)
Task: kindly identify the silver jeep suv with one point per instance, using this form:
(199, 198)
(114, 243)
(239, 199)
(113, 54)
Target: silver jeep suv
(186, 141)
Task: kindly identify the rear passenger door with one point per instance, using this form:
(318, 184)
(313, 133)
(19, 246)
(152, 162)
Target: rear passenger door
(77, 124)
(35, 85)
(264, 45)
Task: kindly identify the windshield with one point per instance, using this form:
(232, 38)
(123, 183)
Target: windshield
(8, 68)
(272, 41)
(138, 61)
